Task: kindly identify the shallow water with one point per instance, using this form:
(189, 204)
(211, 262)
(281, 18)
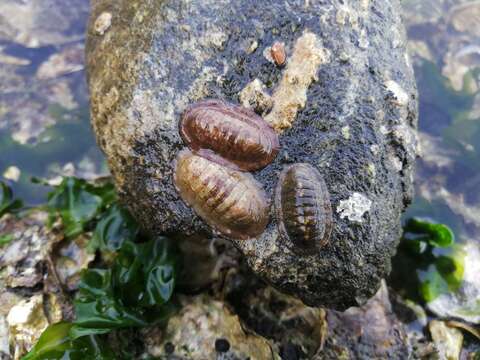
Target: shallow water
(44, 116)
(444, 42)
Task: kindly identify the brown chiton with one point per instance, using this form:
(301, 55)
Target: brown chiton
(229, 134)
(303, 208)
(230, 201)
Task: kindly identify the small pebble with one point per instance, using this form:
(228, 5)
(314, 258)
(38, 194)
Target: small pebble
(289, 352)
(169, 348)
(12, 173)
(222, 345)
(253, 46)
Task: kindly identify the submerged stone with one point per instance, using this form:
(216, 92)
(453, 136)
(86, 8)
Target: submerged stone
(346, 69)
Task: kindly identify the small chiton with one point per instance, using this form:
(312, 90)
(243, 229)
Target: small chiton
(229, 134)
(303, 208)
(230, 201)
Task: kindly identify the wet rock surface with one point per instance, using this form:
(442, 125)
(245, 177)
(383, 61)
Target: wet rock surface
(349, 109)
(206, 329)
(275, 326)
(372, 331)
(25, 257)
(31, 295)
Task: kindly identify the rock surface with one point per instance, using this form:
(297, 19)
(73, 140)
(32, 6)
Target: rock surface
(370, 332)
(30, 296)
(345, 103)
(206, 329)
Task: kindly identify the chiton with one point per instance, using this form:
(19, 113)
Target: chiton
(303, 208)
(230, 201)
(229, 134)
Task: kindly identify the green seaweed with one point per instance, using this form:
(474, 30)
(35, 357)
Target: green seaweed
(56, 343)
(136, 289)
(77, 203)
(5, 239)
(115, 227)
(444, 275)
(434, 209)
(134, 292)
(428, 263)
(7, 202)
(436, 235)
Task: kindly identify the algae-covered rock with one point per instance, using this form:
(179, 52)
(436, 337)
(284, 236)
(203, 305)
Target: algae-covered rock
(26, 321)
(23, 258)
(345, 102)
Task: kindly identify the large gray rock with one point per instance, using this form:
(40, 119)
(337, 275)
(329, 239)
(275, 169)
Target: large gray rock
(345, 103)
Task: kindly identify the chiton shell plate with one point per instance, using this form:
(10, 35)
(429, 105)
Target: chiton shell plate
(231, 202)
(303, 208)
(229, 134)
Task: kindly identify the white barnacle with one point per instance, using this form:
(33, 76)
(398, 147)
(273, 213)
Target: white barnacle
(354, 207)
(400, 95)
(103, 23)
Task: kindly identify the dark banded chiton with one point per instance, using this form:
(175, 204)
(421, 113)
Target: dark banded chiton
(229, 134)
(303, 208)
(230, 201)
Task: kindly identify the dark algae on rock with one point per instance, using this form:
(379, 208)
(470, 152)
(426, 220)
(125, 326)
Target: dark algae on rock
(344, 102)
